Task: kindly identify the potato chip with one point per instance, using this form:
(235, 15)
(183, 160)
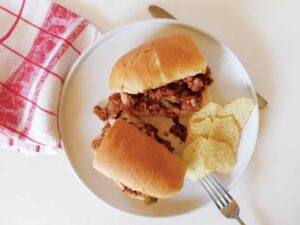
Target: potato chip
(194, 161)
(240, 109)
(225, 130)
(199, 129)
(213, 137)
(221, 157)
(204, 156)
(209, 110)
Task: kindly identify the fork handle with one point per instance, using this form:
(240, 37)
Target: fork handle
(239, 220)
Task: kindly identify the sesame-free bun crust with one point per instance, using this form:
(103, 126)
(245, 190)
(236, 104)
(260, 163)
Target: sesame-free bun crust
(138, 161)
(156, 64)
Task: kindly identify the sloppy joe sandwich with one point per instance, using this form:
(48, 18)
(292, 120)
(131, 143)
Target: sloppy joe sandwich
(132, 154)
(166, 77)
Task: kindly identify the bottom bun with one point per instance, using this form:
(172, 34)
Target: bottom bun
(143, 197)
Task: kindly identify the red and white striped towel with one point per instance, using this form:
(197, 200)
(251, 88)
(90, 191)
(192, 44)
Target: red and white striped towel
(39, 42)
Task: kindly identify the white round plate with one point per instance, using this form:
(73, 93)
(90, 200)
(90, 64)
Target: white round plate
(87, 85)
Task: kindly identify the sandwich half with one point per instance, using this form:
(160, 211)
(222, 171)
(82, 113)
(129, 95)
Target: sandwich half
(167, 77)
(138, 160)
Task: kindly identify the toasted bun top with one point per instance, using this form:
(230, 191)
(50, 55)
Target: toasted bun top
(139, 162)
(156, 64)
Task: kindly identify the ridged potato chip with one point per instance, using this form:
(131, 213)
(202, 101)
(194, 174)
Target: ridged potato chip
(225, 130)
(222, 158)
(194, 160)
(240, 109)
(204, 156)
(209, 110)
(200, 129)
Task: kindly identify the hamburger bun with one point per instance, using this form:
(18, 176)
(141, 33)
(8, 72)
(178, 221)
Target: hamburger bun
(136, 160)
(156, 64)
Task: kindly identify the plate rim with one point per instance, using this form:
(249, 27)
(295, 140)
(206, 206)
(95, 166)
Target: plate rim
(110, 33)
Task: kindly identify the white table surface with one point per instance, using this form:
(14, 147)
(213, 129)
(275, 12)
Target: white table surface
(265, 35)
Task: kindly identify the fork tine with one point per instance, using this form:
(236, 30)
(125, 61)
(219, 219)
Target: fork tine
(216, 191)
(226, 204)
(213, 193)
(223, 192)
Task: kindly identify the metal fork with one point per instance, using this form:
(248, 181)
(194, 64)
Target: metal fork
(223, 200)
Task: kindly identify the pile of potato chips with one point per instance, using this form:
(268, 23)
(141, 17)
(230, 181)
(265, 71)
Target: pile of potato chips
(213, 137)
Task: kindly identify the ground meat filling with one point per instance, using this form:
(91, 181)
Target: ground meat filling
(97, 142)
(153, 132)
(169, 100)
(147, 198)
(112, 110)
(178, 130)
